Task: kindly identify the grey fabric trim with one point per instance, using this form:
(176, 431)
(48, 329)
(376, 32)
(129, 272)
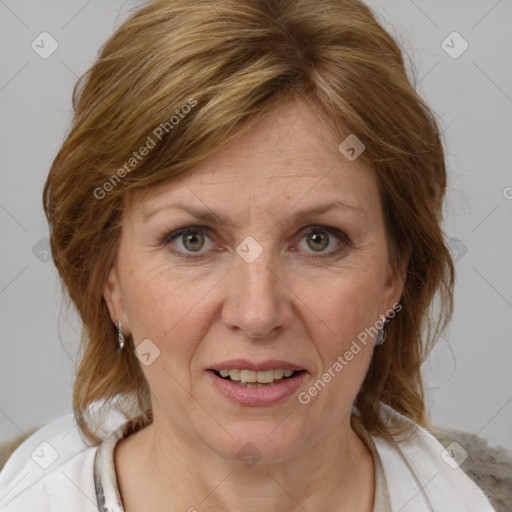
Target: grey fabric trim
(105, 479)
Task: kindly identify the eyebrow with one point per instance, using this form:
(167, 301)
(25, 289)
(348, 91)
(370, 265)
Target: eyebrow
(208, 215)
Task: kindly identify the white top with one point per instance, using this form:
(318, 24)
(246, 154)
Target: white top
(56, 470)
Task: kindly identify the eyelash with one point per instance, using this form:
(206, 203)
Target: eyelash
(345, 241)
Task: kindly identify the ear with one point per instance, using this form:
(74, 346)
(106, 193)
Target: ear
(395, 280)
(112, 293)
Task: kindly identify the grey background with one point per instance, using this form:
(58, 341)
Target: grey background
(468, 376)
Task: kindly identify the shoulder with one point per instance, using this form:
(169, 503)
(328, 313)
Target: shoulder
(421, 470)
(53, 469)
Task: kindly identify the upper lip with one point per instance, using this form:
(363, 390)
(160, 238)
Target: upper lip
(244, 364)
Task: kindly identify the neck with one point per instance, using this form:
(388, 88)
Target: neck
(335, 473)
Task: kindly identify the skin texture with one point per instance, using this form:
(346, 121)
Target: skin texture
(284, 305)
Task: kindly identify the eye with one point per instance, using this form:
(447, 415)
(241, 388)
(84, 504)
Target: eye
(318, 238)
(191, 239)
(187, 241)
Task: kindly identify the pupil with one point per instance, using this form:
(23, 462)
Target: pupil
(317, 239)
(193, 238)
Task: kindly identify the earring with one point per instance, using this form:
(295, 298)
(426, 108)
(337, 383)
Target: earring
(381, 336)
(120, 337)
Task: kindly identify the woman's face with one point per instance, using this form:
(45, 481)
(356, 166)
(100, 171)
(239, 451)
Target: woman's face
(257, 282)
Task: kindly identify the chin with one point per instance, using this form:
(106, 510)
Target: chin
(261, 443)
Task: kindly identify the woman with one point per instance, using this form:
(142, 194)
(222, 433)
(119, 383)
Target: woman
(246, 214)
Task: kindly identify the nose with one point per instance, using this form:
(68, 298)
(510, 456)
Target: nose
(258, 301)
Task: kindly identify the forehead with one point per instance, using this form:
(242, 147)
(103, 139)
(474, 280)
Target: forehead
(287, 155)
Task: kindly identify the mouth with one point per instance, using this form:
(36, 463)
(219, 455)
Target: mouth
(260, 384)
(257, 379)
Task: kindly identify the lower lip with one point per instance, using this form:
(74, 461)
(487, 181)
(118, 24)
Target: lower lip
(257, 396)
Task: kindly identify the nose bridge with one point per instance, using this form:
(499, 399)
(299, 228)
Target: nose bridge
(256, 301)
(257, 277)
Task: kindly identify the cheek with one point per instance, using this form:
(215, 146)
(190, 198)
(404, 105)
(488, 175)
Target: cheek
(344, 304)
(157, 297)
(170, 308)
(346, 347)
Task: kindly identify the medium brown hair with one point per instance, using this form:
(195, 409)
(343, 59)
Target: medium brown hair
(235, 61)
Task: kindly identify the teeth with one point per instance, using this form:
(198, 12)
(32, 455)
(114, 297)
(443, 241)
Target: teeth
(278, 374)
(233, 374)
(249, 376)
(264, 377)
(253, 377)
